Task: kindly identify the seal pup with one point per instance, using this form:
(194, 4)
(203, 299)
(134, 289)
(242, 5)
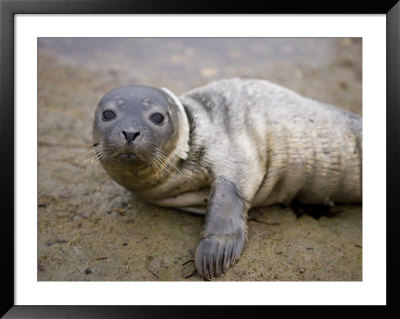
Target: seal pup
(225, 147)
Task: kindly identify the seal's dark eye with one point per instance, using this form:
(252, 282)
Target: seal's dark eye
(157, 118)
(108, 115)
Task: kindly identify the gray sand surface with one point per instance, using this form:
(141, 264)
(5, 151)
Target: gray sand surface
(90, 228)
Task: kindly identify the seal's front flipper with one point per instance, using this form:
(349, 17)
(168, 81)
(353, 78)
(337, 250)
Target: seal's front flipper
(224, 231)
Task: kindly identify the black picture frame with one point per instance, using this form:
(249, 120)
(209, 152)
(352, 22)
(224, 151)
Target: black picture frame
(8, 9)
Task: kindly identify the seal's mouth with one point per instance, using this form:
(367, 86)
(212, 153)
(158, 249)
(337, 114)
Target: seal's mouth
(128, 156)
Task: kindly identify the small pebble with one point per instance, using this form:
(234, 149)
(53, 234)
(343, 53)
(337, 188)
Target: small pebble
(125, 244)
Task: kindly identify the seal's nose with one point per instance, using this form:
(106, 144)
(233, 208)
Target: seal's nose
(130, 136)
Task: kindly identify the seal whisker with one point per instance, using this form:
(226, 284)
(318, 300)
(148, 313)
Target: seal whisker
(92, 159)
(163, 170)
(167, 160)
(164, 163)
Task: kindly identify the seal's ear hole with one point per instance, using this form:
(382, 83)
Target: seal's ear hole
(157, 118)
(108, 115)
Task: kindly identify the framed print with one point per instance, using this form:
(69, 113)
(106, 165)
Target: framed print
(158, 155)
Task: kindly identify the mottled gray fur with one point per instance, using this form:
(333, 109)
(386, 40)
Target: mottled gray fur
(251, 143)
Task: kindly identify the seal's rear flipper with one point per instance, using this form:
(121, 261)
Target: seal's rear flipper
(315, 211)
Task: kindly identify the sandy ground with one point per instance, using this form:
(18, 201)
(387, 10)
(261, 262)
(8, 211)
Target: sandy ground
(90, 228)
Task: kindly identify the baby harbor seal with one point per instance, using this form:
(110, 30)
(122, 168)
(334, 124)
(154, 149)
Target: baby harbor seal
(223, 148)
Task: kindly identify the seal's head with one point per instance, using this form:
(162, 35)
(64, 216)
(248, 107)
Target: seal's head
(137, 126)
